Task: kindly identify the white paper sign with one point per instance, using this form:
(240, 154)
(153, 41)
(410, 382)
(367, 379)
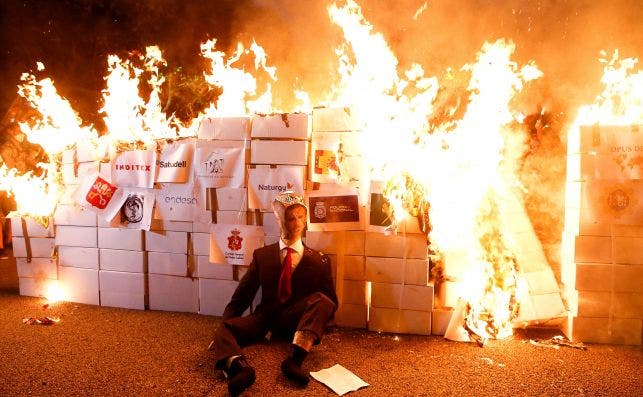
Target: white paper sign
(339, 379)
(136, 211)
(177, 202)
(134, 168)
(97, 194)
(234, 244)
(264, 183)
(175, 161)
(222, 162)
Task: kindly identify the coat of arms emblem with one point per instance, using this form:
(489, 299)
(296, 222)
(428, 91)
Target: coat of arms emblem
(234, 240)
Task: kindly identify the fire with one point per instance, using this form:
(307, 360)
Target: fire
(55, 292)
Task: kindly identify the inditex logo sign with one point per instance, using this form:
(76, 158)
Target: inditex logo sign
(134, 167)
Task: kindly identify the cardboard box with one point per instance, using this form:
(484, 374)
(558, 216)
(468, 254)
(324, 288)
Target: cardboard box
(123, 260)
(175, 242)
(37, 287)
(172, 293)
(207, 269)
(399, 321)
(38, 268)
(76, 236)
(603, 330)
(160, 225)
(336, 119)
(269, 222)
(200, 244)
(399, 296)
(79, 285)
(592, 249)
(225, 128)
(20, 225)
(172, 264)
(594, 303)
(628, 250)
(412, 246)
(214, 295)
(618, 141)
(123, 239)
(350, 242)
(628, 278)
(122, 289)
(74, 215)
(352, 316)
(232, 199)
(397, 270)
(440, 318)
(84, 257)
(355, 292)
(279, 152)
(38, 247)
(354, 268)
(286, 125)
(232, 217)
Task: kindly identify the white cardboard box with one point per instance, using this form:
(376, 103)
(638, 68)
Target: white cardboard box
(279, 152)
(207, 269)
(172, 293)
(40, 247)
(76, 236)
(174, 242)
(397, 270)
(354, 268)
(37, 287)
(353, 316)
(336, 119)
(85, 257)
(350, 241)
(214, 295)
(124, 239)
(225, 128)
(172, 226)
(232, 217)
(33, 228)
(440, 318)
(411, 246)
(398, 296)
(172, 264)
(355, 292)
(122, 289)
(123, 260)
(200, 243)
(232, 198)
(38, 268)
(74, 215)
(286, 125)
(79, 285)
(399, 321)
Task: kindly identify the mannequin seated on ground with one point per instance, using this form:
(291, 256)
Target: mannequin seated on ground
(297, 300)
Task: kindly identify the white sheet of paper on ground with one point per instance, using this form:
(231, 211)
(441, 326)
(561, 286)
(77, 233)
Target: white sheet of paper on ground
(339, 379)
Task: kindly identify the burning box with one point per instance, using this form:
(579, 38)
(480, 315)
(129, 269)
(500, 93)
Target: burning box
(121, 289)
(73, 173)
(37, 287)
(37, 268)
(352, 316)
(207, 269)
(25, 226)
(214, 295)
(225, 128)
(80, 285)
(397, 270)
(172, 293)
(336, 119)
(412, 246)
(279, 152)
(399, 321)
(231, 199)
(117, 238)
(123, 260)
(76, 236)
(84, 257)
(175, 242)
(173, 264)
(285, 125)
(400, 296)
(74, 215)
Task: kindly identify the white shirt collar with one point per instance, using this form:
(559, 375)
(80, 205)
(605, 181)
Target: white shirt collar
(298, 246)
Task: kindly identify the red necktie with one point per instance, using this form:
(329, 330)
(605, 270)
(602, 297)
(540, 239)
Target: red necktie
(284, 280)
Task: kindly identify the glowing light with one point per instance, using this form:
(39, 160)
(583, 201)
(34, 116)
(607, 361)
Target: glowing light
(55, 292)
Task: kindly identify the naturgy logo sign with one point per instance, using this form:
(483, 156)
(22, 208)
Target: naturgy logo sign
(279, 188)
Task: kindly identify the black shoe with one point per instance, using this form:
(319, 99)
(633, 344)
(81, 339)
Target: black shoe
(293, 371)
(240, 376)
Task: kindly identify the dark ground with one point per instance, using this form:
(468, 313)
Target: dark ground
(97, 351)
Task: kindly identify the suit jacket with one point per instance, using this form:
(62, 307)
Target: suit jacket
(312, 274)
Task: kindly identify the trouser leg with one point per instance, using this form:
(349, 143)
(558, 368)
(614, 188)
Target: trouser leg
(311, 314)
(234, 333)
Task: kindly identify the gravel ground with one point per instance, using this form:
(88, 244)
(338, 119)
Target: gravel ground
(96, 351)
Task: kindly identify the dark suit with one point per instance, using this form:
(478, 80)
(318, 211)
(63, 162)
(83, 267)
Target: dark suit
(311, 305)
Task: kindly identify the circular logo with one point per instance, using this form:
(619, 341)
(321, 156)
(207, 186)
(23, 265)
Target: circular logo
(618, 200)
(319, 210)
(132, 210)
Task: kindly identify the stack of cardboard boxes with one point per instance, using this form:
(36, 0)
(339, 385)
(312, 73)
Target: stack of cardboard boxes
(603, 237)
